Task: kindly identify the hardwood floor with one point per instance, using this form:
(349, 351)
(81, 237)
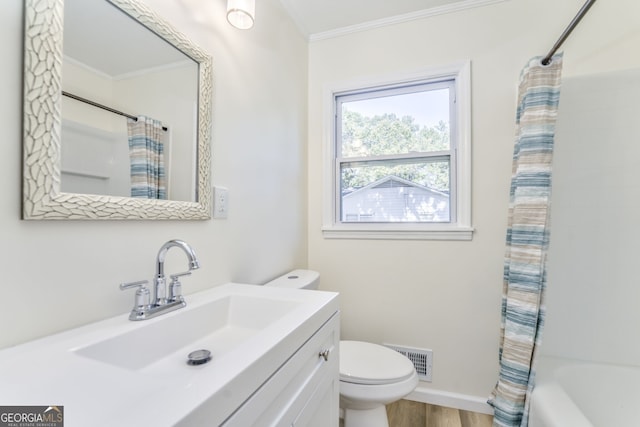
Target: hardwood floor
(406, 413)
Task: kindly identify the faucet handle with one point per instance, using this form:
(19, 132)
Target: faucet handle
(129, 285)
(143, 296)
(175, 288)
(174, 277)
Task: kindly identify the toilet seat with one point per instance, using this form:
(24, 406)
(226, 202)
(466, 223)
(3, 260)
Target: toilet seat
(372, 364)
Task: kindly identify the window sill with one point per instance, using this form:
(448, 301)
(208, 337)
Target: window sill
(398, 232)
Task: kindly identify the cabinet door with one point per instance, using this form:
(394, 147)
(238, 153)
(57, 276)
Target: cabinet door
(286, 395)
(322, 409)
(315, 380)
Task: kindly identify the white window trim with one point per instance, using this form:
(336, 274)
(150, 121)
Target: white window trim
(461, 229)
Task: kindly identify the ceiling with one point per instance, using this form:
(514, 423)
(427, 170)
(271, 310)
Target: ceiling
(314, 17)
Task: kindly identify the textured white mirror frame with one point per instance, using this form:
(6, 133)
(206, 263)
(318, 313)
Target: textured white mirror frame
(42, 198)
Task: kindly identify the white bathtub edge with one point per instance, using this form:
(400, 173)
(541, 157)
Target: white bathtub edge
(551, 406)
(465, 402)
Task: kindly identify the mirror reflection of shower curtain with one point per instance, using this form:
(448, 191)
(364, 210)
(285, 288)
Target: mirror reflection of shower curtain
(146, 154)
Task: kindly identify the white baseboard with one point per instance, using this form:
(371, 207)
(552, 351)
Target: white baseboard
(451, 400)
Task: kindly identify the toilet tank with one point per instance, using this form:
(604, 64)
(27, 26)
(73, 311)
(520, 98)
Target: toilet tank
(297, 279)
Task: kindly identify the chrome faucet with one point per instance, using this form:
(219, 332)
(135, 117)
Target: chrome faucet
(159, 282)
(162, 303)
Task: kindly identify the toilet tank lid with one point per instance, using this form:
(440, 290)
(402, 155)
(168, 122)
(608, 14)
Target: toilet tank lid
(368, 363)
(296, 279)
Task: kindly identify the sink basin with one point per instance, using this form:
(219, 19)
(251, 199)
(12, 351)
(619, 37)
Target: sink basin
(218, 326)
(140, 370)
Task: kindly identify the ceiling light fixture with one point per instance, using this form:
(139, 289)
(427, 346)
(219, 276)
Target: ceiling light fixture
(240, 13)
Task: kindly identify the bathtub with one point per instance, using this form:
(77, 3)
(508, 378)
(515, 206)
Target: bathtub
(570, 393)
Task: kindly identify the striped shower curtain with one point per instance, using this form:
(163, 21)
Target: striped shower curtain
(524, 282)
(146, 154)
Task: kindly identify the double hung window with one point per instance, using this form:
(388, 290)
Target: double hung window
(398, 162)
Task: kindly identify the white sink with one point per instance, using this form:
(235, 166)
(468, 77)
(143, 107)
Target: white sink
(138, 370)
(218, 326)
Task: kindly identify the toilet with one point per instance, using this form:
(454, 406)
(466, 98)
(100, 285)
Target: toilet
(371, 375)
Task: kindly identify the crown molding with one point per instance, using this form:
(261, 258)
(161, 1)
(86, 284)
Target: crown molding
(392, 20)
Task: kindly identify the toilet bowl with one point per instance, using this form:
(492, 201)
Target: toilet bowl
(371, 375)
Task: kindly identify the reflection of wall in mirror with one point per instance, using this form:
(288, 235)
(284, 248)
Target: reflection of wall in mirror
(124, 93)
(94, 161)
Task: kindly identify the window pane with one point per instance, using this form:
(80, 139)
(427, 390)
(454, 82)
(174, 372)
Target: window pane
(395, 191)
(396, 124)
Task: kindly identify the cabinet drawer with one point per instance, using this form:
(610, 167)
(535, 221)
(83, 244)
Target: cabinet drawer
(279, 400)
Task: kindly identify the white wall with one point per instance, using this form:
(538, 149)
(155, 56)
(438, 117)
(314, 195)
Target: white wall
(594, 292)
(57, 275)
(446, 295)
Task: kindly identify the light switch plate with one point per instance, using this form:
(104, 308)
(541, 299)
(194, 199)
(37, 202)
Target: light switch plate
(220, 202)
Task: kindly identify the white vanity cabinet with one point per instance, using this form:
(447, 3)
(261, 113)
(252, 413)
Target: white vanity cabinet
(268, 364)
(304, 391)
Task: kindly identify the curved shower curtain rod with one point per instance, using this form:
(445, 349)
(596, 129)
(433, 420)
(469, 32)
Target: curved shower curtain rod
(573, 24)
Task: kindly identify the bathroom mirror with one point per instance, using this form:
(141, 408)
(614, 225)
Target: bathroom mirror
(46, 114)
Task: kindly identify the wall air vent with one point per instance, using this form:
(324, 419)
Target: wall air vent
(422, 359)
